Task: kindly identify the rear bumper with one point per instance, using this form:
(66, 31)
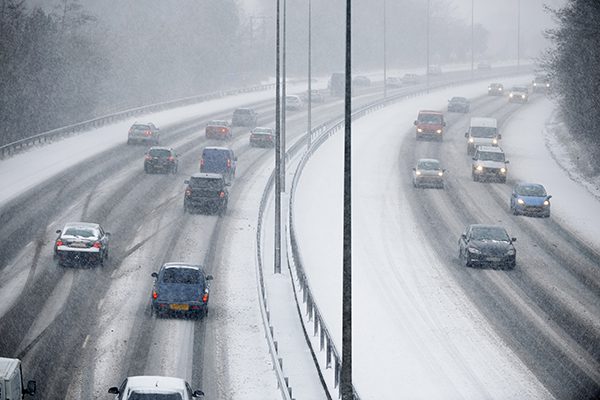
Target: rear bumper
(262, 143)
(82, 257)
(180, 309)
(205, 203)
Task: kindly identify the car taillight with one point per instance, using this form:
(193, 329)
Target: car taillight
(221, 194)
(98, 245)
(154, 294)
(147, 133)
(223, 130)
(228, 163)
(59, 242)
(202, 163)
(171, 158)
(205, 297)
(188, 192)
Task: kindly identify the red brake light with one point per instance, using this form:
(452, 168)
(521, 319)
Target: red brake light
(205, 297)
(202, 162)
(59, 242)
(147, 133)
(223, 129)
(222, 194)
(154, 295)
(98, 245)
(228, 163)
(171, 158)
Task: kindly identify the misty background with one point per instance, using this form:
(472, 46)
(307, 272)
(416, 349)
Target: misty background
(65, 61)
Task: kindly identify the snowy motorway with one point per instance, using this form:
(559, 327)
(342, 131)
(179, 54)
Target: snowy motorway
(80, 331)
(424, 325)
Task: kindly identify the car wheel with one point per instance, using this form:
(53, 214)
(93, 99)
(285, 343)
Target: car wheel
(475, 178)
(146, 170)
(503, 180)
(185, 208)
(128, 141)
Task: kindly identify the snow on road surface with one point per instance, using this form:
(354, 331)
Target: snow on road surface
(416, 333)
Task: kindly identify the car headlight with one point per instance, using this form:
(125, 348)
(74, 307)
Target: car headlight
(502, 170)
(510, 95)
(546, 203)
(534, 84)
(440, 173)
(471, 140)
(547, 85)
(523, 96)
(473, 250)
(489, 88)
(510, 252)
(495, 141)
(419, 130)
(479, 168)
(439, 131)
(417, 172)
(520, 201)
(500, 89)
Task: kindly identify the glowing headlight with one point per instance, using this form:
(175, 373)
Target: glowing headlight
(438, 131)
(523, 96)
(520, 201)
(500, 89)
(534, 84)
(479, 168)
(471, 140)
(502, 170)
(546, 203)
(440, 173)
(489, 88)
(473, 250)
(547, 85)
(417, 172)
(510, 95)
(419, 130)
(495, 141)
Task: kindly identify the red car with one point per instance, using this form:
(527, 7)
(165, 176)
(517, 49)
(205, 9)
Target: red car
(218, 129)
(262, 137)
(430, 124)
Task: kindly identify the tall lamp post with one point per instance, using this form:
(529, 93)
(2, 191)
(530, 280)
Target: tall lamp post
(427, 49)
(277, 257)
(384, 51)
(518, 35)
(309, 122)
(283, 94)
(472, 38)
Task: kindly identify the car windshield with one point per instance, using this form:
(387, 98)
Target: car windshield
(181, 275)
(458, 100)
(483, 131)
(161, 153)
(530, 190)
(491, 156)
(81, 232)
(428, 165)
(218, 123)
(206, 183)
(430, 118)
(154, 396)
(489, 233)
(519, 89)
(242, 111)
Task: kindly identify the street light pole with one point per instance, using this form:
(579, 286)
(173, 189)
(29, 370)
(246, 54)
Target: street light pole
(427, 47)
(277, 260)
(472, 38)
(346, 368)
(309, 122)
(518, 35)
(384, 51)
(283, 94)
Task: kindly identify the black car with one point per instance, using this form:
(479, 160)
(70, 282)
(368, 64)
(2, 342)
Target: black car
(459, 104)
(487, 244)
(180, 289)
(161, 159)
(143, 133)
(206, 192)
(244, 117)
(81, 243)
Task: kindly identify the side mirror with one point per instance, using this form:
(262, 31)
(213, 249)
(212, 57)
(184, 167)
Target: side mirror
(513, 239)
(30, 388)
(58, 231)
(549, 197)
(474, 158)
(466, 134)
(416, 122)
(113, 390)
(414, 169)
(154, 275)
(209, 277)
(499, 136)
(463, 236)
(506, 162)
(198, 393)
(107, 233)
(187, 182)
(227, 183)
(235, 158)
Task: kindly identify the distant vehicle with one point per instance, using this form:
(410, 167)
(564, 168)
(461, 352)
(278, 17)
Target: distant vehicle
(487, 244)
(489, 163)
(337, 84)
(361, 81)
(428, 173)
(11, 380)
(162, 159)
(495, 89)
(459, 104)
(154, 388)
(206, 192)
(262, 137)
(393, 82)
(541, 84)
(518, 94)
(482, 132)
(530, 199)
(218, 129)
(410, 79)
(219, 160)
(484, 66)
(434, 69)
(81, 243)
(244, 117)
(180, 289)
(429, 124)
(144, 133)
(293, 102)
(316, 96)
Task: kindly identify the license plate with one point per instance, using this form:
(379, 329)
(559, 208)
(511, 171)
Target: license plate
(180, 307)
(78, 244)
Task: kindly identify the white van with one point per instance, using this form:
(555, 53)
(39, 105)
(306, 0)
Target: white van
(11, 380)
(482, 132)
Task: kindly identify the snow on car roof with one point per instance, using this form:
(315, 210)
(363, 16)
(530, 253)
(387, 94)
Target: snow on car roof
(490, 149)
(90, 225)
(484, 122)
(160, 383)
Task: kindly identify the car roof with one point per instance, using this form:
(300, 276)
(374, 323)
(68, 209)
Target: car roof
(458, 98)
(207, 175)
(430, 112)
(427, 160)
(90, 225)
(155, 382)
(487, 226)
(484, 122)
(243, 109)
(523, 184)
(160, 148)
(219, 148)
(182, 265)
(218, 121)
(490, 149)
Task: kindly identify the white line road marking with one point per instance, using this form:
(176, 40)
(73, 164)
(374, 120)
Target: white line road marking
(85, 341)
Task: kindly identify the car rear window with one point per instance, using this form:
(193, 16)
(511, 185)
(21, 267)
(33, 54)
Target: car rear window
(218, 123)
(154, 396)
(140, 128)
(430, 118)
(215, 154)
(489, 233)
(81, 232)
(182, 275)
(490, 156)
(483, 131)
(161, 153)
(206, 183)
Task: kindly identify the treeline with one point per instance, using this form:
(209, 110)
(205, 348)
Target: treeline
(574, 66)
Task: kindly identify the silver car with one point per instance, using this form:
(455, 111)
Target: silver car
(428, 173)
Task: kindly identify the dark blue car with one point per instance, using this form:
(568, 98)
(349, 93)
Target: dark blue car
(180, 289)
(219, 160)
(530, 199)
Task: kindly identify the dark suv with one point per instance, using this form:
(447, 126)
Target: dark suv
(145, 133)
(244, 117)
(206, 192)
(161, 159)
(219, 160)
